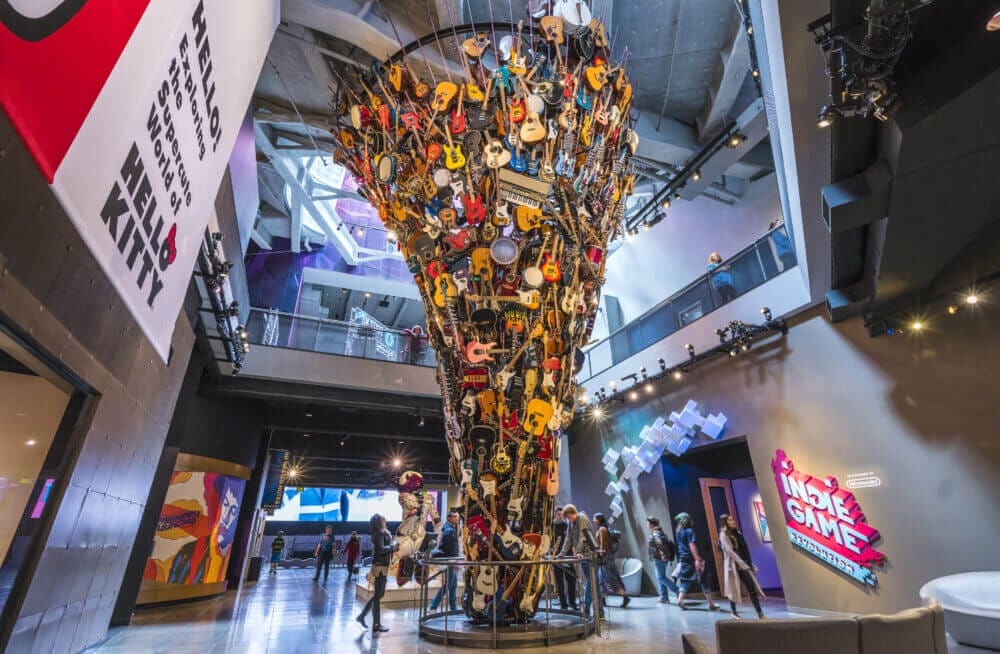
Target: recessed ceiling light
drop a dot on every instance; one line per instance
(30, 442)
(309, 415)
(971, 298)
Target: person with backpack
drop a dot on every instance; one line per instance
(607, 574)
(662, 551)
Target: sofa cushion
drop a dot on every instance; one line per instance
(910, 631)
(808, 636)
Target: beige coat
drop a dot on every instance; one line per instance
(731, 565)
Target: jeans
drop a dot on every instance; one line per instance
(584, 571)
(323, 561)
(663, 580)
(451, 580)
(375, 603)
(566, 586)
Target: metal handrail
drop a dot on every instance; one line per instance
(704, 278)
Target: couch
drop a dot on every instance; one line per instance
(631, 572)
(914, 631)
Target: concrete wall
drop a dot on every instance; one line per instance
(52, 289)
(919, 411)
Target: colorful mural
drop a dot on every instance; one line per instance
(195, 532)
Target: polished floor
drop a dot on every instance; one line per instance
(290, 614)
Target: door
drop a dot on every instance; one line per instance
(717, 495)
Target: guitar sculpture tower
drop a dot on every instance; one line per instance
(503, 187)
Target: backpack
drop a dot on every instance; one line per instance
(616, 537)
(669, 549)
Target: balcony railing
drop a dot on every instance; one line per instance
(280, 329)
(749, 268)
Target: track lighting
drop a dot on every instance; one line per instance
(952, 309)
(721, 333)
(663, 364)
(690, 350)
(828, 115)
(649, 388)
(666, 203)
(972, 298)
(633, 396)
(678, 374)
(696, 175)
(642, 371)
(612, 385)
(766, 312)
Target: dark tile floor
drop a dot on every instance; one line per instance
(289, 614)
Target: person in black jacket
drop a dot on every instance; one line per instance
(448, 548)
(565, 582)
(384, 547)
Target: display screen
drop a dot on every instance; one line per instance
(339, 504)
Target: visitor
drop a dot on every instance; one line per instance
(447, 548)
(581, 542)
(608, 575)
(737, 567)
(324, 553)
(277, 547)
(416, 342)
(565, 583)
(352, 550)
(722, 278)
(692, 566)
(662, 551)
(782, 244)
(384, 547)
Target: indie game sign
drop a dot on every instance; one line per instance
(826, 521)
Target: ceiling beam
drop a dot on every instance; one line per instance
(353, 433)
(732, 69)
(269, 111)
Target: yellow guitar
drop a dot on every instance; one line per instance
(444, 287)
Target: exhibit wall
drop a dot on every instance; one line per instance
(53, 290)
(914, 411)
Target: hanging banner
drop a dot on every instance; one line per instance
(826, 521)
(131, 109)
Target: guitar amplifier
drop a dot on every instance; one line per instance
(521, 189)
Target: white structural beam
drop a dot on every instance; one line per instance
(732, 69)
(752, 123)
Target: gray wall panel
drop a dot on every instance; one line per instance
(52, 289)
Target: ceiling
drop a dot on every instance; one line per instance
(907, 195)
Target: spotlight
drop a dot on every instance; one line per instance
(633, 395)
(827, 116)
(745, 347)
(390, 235)
(678, 374)
(642, 371)
(246, 347)
(628, 235)
(663, 364)
(696, 175)
(916, 325)
(690, 349)
(234, 309)
(736, 140)
(242, 332)
(612, 385)
(721, 333)
(677, 196)
(733, 352)
(766, 313)
(420, 423)
(972, 298)
(30, 442)
(293, 473)
(749, 30)
(597, 412)
(343, 442)
(952, 309)
(583, 399)
(756, 73)
(666, 203)
(361, 231)
(367, 295)
(396, 463)
(649, 388)
(645, 227)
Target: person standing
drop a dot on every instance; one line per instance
(565, 584)
(277, 547)
(581, 542)
(662, 551)
(352, 550)
(692, 566)
(610, 580)
(324, 553)
(782, 244)
(737, 567)
(722, 278)
(448, 548)
(384, 547)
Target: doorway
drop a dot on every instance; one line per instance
(716, 480)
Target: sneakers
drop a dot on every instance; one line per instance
(625, 600)
(735, 616)
(378, 629)
(361, 620)
(664, 600)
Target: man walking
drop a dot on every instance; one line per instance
(277, 547)
(662, 551)
(448, 548)
(324, 553)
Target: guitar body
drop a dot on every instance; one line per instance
(444, 93)
(550, 268)
(528, 218)
(537, 416)
(454, 158)
(533, 130)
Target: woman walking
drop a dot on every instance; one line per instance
(691, 564)
(737, 568)
(352, 550)
(607, 574)
(384, 547)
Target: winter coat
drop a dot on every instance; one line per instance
(731, 565)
